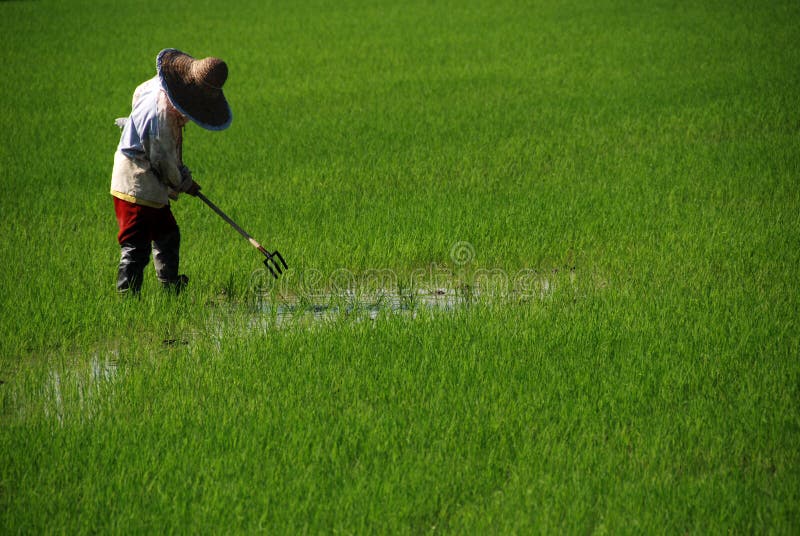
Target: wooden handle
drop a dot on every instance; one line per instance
(232, 223)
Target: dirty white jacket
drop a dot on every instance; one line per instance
(148, 169)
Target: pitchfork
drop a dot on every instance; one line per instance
(270, 261)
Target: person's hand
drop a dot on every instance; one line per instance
(193, 188)
(188, 185)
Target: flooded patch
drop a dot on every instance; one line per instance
(77, 391)
(320, 308)
(317, 308)
(311, 296)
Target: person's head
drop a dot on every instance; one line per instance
(194, 88)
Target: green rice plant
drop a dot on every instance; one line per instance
(603, 195)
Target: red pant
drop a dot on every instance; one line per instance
(141, 224)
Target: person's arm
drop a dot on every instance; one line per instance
(165, 160)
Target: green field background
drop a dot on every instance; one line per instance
(641, 158)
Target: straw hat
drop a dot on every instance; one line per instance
(195, 87)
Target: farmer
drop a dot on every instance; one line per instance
(148, 167)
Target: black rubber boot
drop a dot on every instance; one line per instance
(133, 259)
(166, 258)
(177, 285)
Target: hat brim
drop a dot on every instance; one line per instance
(204, 105)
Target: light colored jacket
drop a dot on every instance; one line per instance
(148, 169)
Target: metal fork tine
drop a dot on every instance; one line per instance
(272, 265)
(278, 254)
(269, 267)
